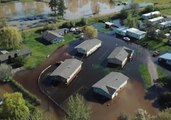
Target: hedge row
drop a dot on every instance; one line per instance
(32, 99)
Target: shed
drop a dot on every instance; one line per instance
(110, 84)
(67, 70)
(109, 24)
(88, 46)
(52, 36)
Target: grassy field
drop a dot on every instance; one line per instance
(40, 50)
(160, 72)
(155, 1)
(145, 75)
(156, 45)
(166, 11)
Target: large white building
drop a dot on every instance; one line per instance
(66, 71)
(165, 24)
(110, 84)
(150, 15)
(89, 46)
(135, 33)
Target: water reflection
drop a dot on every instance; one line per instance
(75, 8)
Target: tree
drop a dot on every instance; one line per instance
(77, 109)
(135, 8)
(10, 37)
(36, 114)
(53, 4)
(148, 9)
(123, 117)
(131, 21)
(164, 115)
(3, 22)
(123, 14)
(142, 115)
(165, 100)
(90, 31)
(61, 8)
(14, 107)
(5, 72)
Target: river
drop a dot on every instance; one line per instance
(75, 8)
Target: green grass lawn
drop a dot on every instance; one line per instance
(166, 11)
(39, 50)
(156, 45)
(154, 1)
(160, 72)
(145, 75)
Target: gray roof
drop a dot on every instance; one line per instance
(111, 82)
(67, 68)
(21, 52)
(51, 35)
(136, 31)
(119, 53)
(88, 44)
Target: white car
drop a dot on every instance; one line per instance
(126, 38)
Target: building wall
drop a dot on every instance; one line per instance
(73, 75)
(101, 92)
(135, 35)
(93, 49)
(117, 62)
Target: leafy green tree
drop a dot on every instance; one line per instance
(14, 107)
(3, 22)
(5, 72)
(10, 37)
(164, 115)
(61, 8)
(123, 14)
(123, 117)
(77, 109)
(53, 4)
(36, 114)
(148, 9)
(90, 31)
(165, 100)
(131, 21)
(142, 115)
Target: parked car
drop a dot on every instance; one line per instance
(156, 53)
(126, 38)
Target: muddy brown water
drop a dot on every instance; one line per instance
(94, 68)
(75, 8)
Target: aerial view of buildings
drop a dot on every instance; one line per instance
(85, 60)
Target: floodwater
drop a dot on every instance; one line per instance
(93, 69)
(75, 8)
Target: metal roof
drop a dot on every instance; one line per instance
(88, 44)
(67, 68)
(119, 53)
(151, 13)
(156, 19)
(51, 35)
(166, 56)
(111, 82)
(166, 22)
(136, 31)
